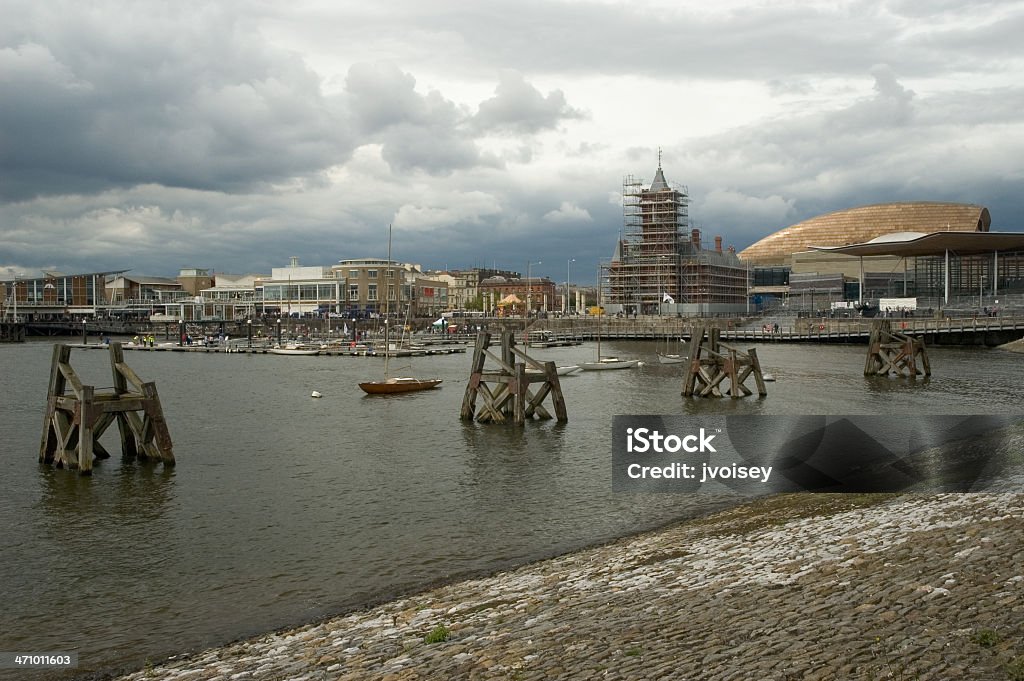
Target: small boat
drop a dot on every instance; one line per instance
(606, 363)
(768, 377)
(390, 385)
(293, 349)
(564, 370)
(670, 359)
(399, 384)
(316, 393)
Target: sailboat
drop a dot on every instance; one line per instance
(390, 385)
(670, 357)
(603, 363)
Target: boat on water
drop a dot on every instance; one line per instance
(293, 349)
(669, 357)
(664, 358)
(399, 384)
(606, 363)
(391, 385)
(564, 370)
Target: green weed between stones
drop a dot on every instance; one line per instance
(986, 638)
(438, 634)
(1015, 668)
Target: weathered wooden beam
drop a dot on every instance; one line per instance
(511, 399)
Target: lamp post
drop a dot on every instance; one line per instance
(567, 263)
(278, 330)
(529, 286)
(14, 288)
(248, 326)
(85, 340)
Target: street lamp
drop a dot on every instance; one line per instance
(529, 286)
(278, 330)
(567, 306)
(181, 332)
(248, 324)
(85, 340)
(14, 289)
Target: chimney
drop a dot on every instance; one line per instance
(718, 244)
(293, 261)
(732, 249)
(695, 239)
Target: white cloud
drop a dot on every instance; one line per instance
(568, 212)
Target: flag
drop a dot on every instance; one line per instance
(666, 298)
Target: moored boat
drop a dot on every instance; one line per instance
(293, 349)
(609, 363)
(399, 384)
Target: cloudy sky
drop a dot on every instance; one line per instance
(153, 136)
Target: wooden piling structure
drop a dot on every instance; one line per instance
(894, 353)
(511, 397)
(75, 422)
(710, 362)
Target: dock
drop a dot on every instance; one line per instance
(971, 331)
(241, 349)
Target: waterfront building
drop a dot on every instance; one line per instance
(194, 279)
(409, 291)
(52, 295)
(532, 295)
(660, 266)
(300, 291)
(128, 289)
(804, 267)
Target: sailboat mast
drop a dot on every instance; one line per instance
(600, 313)
(387, 308)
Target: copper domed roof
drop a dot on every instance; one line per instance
(857, 225)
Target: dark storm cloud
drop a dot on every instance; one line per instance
(417, 132)
(187, 97)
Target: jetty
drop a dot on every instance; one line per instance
(76, 419)
(978, 331)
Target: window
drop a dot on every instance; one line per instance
(371, 274)
(353, 292)
(353, 274)
(371, 292)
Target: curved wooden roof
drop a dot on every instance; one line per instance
(858, 225)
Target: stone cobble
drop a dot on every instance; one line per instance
(796, 587)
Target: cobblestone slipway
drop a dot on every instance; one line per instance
(789, 587)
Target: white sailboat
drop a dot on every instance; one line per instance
(390, 385)
(605, 363)
(670, 357)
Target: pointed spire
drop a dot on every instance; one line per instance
(659, 177)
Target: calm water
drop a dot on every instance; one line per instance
(283, 508)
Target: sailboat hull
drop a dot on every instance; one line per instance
(670, 359)
(392, 386)
(606, 364)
